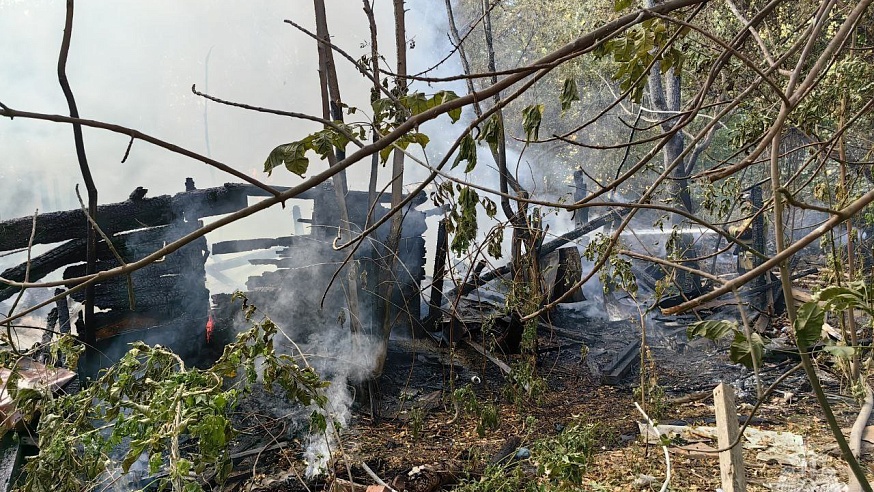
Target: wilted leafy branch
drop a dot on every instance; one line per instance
(148, 404)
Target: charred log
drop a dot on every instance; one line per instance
(44, 264)
(242, 245)
(124, 216)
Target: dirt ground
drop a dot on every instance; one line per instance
(418, 423)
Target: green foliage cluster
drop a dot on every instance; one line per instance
(464, 202)
(293, 155)
(387, 114)
(557, 463)
(149, 404)
(808, 324)
(637, 49)
(832, 299)
(616, 271)
(486, 413)
(742, 350)
(525, 383)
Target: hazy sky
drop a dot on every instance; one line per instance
(132, 62)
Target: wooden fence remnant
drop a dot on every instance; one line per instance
(731, 462)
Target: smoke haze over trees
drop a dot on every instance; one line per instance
(676, 116)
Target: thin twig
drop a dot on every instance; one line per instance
(664, 447)
(127, 150)
(132, 301)
(26, 279)
(91, 236)
(374, 476)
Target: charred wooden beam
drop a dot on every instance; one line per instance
(139, 212)
(170, 265)
(626, 360)
(238, 246)
(128, 215)
(44, 264)
(171, 293)
(290, 262)
(63, 313)
(312, 194)
(61, 226)
(434, 312)
(562, 269)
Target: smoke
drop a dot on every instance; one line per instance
(343, 359)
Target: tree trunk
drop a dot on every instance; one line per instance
(387, 280)
(332, 110)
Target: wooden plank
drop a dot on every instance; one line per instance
(44, 264)
(240, 245)
(436, 299)
(128, 215)
(731, 462)
(10, 461)
(629, 356)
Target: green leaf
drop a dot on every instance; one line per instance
(416, 102)
(712, 329)
(384, 153)
(808, 324)
(619, 5)
(292, 155)
(531, 118)
(322, 143)
(490, 207)
(382, 108)
(183, 466)
(404, 142)
(466, 152)
(136, 449)
(743, 351)
(318, 422)
(569, 94)
(842, 298)
(418, 138)
(465, 220)
(443, 97)
(841, 351)
(492, 132)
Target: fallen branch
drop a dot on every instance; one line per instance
(375, 477)
(857, 432)
(664, 447)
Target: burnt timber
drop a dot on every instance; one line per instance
(167, 302)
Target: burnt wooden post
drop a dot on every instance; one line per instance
(436, 299)
(561, 270)
(731, 462)
(295, 218)
(63, 312)
(581, 215)
(763, 298)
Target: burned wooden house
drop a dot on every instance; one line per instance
(168, 303)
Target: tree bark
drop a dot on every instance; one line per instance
(374, 95)
(332, 109)
(397, 190)
(91, 234)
